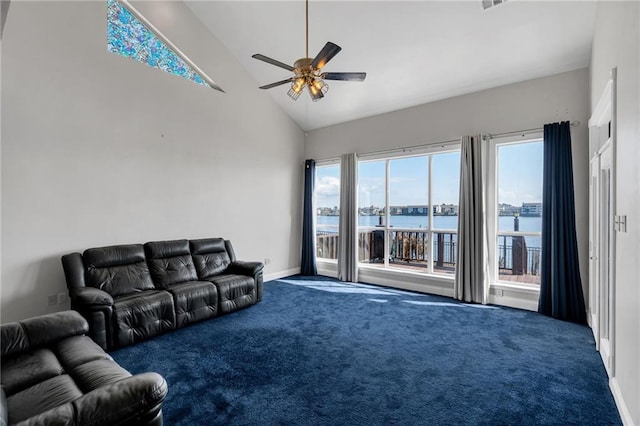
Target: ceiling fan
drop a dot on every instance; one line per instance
(308, 71)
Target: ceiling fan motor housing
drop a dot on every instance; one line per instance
(303, 64)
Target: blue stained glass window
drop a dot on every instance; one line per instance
(127, 36)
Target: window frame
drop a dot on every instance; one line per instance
(492, 216)
(320, 164)
(387, 157)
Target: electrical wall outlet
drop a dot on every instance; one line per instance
(57, 299)
(499, 292)
(267, 260)
(62, 298)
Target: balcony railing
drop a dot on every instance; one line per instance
(516, 261)
(409, 248)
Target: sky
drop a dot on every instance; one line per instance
(519, 179)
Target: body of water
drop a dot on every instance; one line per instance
(445, 223)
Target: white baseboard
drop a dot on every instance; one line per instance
(513, 302)
(281, 274)
(622, 406)
(328, 269)
(395, 280)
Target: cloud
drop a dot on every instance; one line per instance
(516, 198)
(328, 191)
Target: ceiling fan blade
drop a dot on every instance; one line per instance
(326, 54)
(344, 76)
(273, 62)
(277, 83)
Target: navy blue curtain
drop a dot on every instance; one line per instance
(308, 266)
(560, 285)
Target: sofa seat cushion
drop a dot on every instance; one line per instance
(235, 292)
(194, 301)
(28, 368)
(41, 397)
(142, 315)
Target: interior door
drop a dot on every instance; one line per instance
(594, 247)
(602, 201)
(605, 219)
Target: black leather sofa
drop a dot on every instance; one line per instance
(129, 293)
(53, 374)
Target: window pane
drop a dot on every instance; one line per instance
(520, 210)
(409, 192)
(409, 210)
(445, 187)
(129, 37)
(371, 203)
(327, 191)
(371, 192)
(520, 186)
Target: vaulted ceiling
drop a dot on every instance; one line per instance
(413, 52)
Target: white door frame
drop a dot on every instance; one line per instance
(602, 133)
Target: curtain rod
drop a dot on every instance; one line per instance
(444, 143)
(523, 132)
(410, 148)
(395, 150)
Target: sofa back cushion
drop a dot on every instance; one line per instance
(210, 256)
(170, 262)
(118, 270)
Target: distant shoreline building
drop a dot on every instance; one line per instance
(531, 209)
(526, 210)
(328, 211)
(409, 210)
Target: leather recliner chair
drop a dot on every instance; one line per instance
(52, 373)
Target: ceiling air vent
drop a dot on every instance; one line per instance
(486, 4)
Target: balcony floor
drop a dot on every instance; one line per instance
(504, 275)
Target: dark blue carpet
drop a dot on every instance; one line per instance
(321, 352)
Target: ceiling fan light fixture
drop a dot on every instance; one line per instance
(294, 94)
(317, 89)
(298, 84)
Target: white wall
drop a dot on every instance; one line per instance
(520, 106)
(100, 150)
(617, 44)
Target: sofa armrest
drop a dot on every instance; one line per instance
(136, 400)
(245, 268)
(90, 296)
(96, 306)
(129, 400)
(252, 269)
(73, 267)
(38, 331)
(4, 415)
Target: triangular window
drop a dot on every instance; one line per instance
(128, 36)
